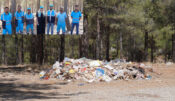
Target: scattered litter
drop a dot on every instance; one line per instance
(42, 73)
(95, 71)
(142, 65)
(81, 84)
(169, 63)
(95, 63)
(149, 77)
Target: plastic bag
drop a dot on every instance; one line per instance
(56, 65)
(95, 63)
(42, 73)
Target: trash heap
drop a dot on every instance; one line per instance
(95, 71)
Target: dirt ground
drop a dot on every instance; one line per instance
(17, 85)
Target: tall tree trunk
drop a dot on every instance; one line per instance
(121, 45)
(107, 46)
(38, 4)
(6, 2)
(72, 41)
(152, 48)
(4, 50)
(130, 48)
(67, 19)
(165, 51)
(61, 2)
(48, 4)
(54, 4)
(146, 45)
(13, 10)
(40, 50)
(40, 45)
(173, 47)
(32, 49)
(98, 42)
(101, 47)
(26, 5)
(16, 46)
(95, 50)
(80, 46)
(117, 47)
(62, 53)
(86, 39)
(45, 49)
(0, 6)
(21, 57)
(84, 44)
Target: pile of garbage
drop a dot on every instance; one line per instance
(95, 71)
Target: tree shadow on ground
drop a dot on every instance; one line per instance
(63, 83)
(12, 70)
(11, 91)
(76, 94)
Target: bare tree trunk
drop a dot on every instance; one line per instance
(62, 53)
(40, 49)
(21, 57)
(61, 2)
(26, 6)
(101, 47)
(32, 49)
(6, 2)
(32, 7)
(38, 4)
(4, 50)
(98, 38)
(173, 47)
(45, 49)
(107, 46)
(146, 45)
(83, 46)
(72, 38)
(80, 46)
(54, 4)
(0, 6)
(13, 10)
(48, 4)
(121, 45)
(40, 45)
(67, 19)
(86, 43)
(117, 46)
(152, 48)
(16, 46)
(72, 41)
(85, 38)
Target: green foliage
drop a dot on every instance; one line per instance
(132, 18)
